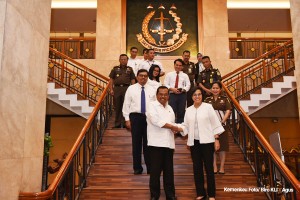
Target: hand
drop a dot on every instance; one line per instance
(176, 90)
(128, 125)
(217, 145)
(111, 92)
(174, 129)
(208, 92)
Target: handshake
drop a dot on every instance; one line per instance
(175, 128)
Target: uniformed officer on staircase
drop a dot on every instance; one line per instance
(190, 69)
(120, 78)
(207, 77)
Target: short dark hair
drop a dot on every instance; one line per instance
(186, 51)
(133, 48)
(161, 87)
(145, 50)
(218, 83)
(204, 57)
(179, 60)
(123, 55)
(142, 70)
(199, 54)
(195, 89)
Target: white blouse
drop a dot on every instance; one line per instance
(157, 117)
(207, 121)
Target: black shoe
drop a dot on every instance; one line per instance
(136, 172)
(154, 198)
(118, 126)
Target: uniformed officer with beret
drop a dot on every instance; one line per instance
(207, 77)
(189, 68)
(120, 78)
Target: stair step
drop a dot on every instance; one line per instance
(91, 193)
(111, 175)
(179, 169)
(181, 182)
(268, 94)
(68, 100)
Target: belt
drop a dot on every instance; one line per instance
(122, 85)
(136, 113)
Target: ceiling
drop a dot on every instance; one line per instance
(268, 4)
(239, 20)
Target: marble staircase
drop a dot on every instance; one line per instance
(69, 101)
(268, 95)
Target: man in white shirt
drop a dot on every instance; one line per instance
(178, 84)
(161, 144)
(133, 61)
(147, 64)
(199, 66)
(136, 100)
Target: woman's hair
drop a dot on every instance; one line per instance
(153, 66)
(195, 89)
(218, 83)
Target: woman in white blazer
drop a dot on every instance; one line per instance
(203, 127)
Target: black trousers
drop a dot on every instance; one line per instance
(139, 140)
(161, 160)
(119, 94)
(203, 154)
(178, 103)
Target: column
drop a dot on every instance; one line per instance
(110, 35)
(215, 33)
(24, 41)
(295, 14)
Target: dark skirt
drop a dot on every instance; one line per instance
(224, 143)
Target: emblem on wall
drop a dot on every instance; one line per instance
(161, 30)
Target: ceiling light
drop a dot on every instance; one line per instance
(74, 4)
(258, 4)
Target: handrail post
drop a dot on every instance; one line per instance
(62, 70)
(84, 160)
(242, 82)
(264, 71)
(285, 59)
(85, 84)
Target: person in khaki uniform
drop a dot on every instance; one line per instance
(189, 68)
(207, 77)
(120, 78)
(222, 107)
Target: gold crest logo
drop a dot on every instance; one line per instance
(161, 35)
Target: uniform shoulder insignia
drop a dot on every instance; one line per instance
(207, 98)
(116, 67)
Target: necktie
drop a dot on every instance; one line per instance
(176, 81)
(143, 101)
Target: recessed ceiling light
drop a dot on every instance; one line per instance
(74, 4)
(258, 4)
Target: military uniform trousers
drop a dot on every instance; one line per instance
(119, 94)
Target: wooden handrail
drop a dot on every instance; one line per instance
(79, 64)
(73, 38)
(289, 175)
(255, 60)
(49, 192)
